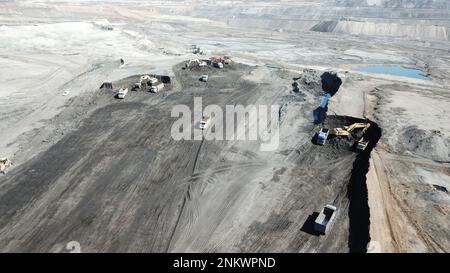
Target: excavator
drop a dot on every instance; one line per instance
(347, 130)
(195, 62)
(360, 144)
(144, 81)
(147, 78)
(4, 164)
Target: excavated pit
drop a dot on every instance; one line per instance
(359, 213)
(357, 194)
(122, 149)
(330, 84)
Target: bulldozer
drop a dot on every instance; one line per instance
(347, 130)
(196, 50)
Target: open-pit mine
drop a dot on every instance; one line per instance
(323, 126)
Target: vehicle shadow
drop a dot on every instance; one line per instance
(314, 139)
(308, 226)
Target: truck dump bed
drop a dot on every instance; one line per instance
(324, 218)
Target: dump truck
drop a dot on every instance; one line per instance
(324, 101)
(4, 164)
(204, 122)
(322, 136)
(325, 218)
(157, 87)
(223, 60)
(361, 145)
(196, 50)
(106, 85)
(137, 85)
(218, 65)
(226, 60)
(220, 61)
(122, 93)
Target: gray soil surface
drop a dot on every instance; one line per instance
(105, 172)
(119, 182)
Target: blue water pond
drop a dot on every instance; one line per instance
(394, 70)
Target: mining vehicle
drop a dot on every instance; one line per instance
(325, 218)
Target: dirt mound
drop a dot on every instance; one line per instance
(325, 26)
(330, 82)
(309, 80)
(316, 81)
(431, 144)
(422, 31)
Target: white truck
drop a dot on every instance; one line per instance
(204, 122)
(122, 93)
(204, 78)
(325, 218)
(137, 85)
(322, 136)
(156, 88)
(361, 144)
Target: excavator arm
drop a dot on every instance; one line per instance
(347, 130)
(354, 126)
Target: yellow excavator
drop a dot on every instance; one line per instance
(347, 130)
(194, 63)
(145, 80)
(360, 144)
(4, 164)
